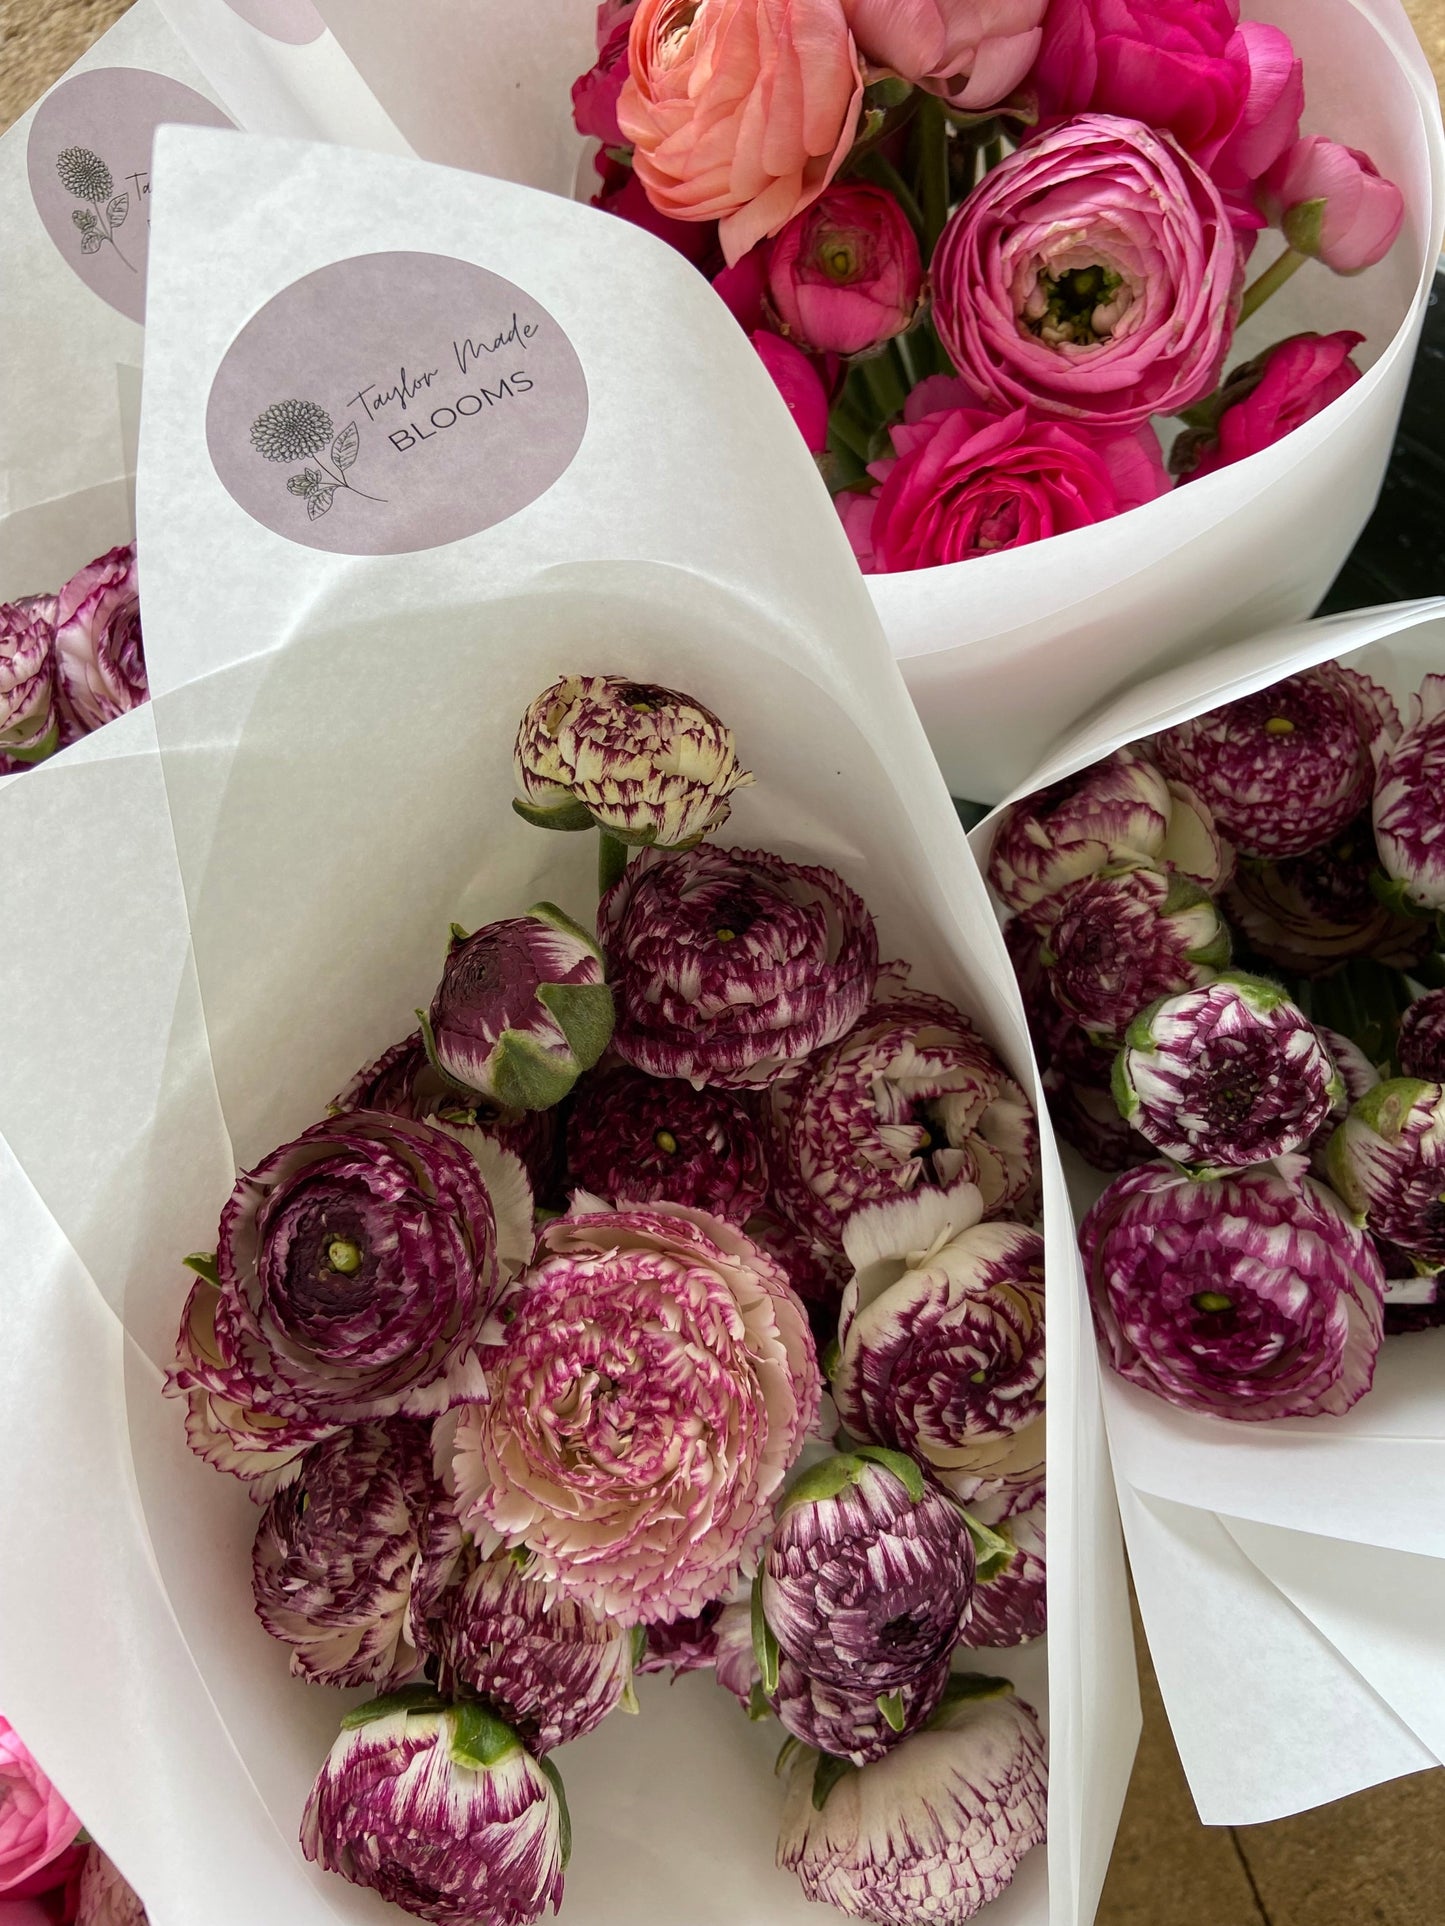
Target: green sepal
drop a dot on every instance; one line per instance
(410, 1698)
(525, 1074)
(560, 921)
(1385, 1108)
(890, 1704)
(458, 937)
(571, 815)
(585, 1015)
(564, 1817)
(900, 1464)
(1396, 896)
(826, 1775)
(889, 92)
(766, 1650)
(1303, 226)
(830, 1360)
(830, 1477)
(479, 1738)
(1126, 1097)
(429, 1044)
(47, 746)
(786, 1752)
(639, 1645)
(204, 1264)
(758, 1707)
(992, 1551)
(965, 1686)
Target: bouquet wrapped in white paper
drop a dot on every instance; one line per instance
(493, 408)
(1300, 1558)
(1004, 651)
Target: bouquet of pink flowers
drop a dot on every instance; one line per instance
(51, 1873)
(988, 251)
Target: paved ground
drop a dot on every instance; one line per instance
(1376, 1860)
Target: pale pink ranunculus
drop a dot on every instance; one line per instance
(98, 652)
(846, 274)
(106, 1899)
(964, 481)
(36, 1825)
(739, 111)
(1333, 203)
(1093, 273)
(974, 52)
(799, 383)
(1268, 398)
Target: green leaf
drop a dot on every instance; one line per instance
(564, 1817)
(203, 1263)
(585, 1015)
(826, 1775)
(890, 1704)
(479, 1738)
(411, 1698)
(765, 1645)
(570, 815)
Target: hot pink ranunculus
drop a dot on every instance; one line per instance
(846, 273)
(98, 651)
(1093, 273)
(740, 111)
(799, 383)
(1333, 203)
(595, 93)
(1268, 398)
(974, 52)
(36, 1825)
(743, 287)
(964, 482)
(1269, 118)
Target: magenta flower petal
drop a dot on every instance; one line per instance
(1252, 1296)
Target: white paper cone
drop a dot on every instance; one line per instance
(334, 737)
(1308, 1555)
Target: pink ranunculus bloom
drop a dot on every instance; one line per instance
(743, 288)
(1094, 273)
(1268, 398)
(622, 194)
(30, 725)
(1333, 203)
(1170, 63)
(98, 650)
(846, 273)
(798, 381)
(1269, 119)
(974, 52)
(740, 111)
(36, 1825)
(595, 94)
(965, 481)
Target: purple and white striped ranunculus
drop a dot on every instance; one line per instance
(337, 1550)
(1225, 1076)
(868, 1578)
(29, 717)
(1284, 770)
(1420, 1047)
(911, 1098)
(1010, 1600)
(941, 1340)
(1387, 1160)
(857, 1726)
(929, 1834)
(441, 1810)
(521, 1010)
(356, 1274)
(106, 1897)
(1409, 809)
(1248, 1296)
(550, 1666)
(99, 654)
(1078, 1086)
(635, 1139)
(1122, 811)
(656, 1383)
(646, 764)
(731, 965)
(1118, 941)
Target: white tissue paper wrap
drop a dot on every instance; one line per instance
(1004, 653)
(1291, 1575)
(246, 896)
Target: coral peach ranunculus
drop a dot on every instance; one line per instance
(1094, 273)
(739, 111)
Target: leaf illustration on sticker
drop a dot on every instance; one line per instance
(346, 446)
(118, 209)
(292, 429)
(84, 219)
(91, 243)
(318, 503)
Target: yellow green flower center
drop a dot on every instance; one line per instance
(344, 1256)
(1279, 726)
(725, 935)
(1213, 1301)
(666, 1142)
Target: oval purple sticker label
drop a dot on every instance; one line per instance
(395, 402)
(295, 21)
(89, 162)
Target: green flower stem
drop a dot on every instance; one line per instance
(1270, 282)
(992, 153)
(612, 854)
(931, 148)
(882, 376)
(878, 169)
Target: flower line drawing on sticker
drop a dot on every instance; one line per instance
(297, 431)
(85, 176)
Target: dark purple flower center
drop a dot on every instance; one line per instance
(1228, 1087)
